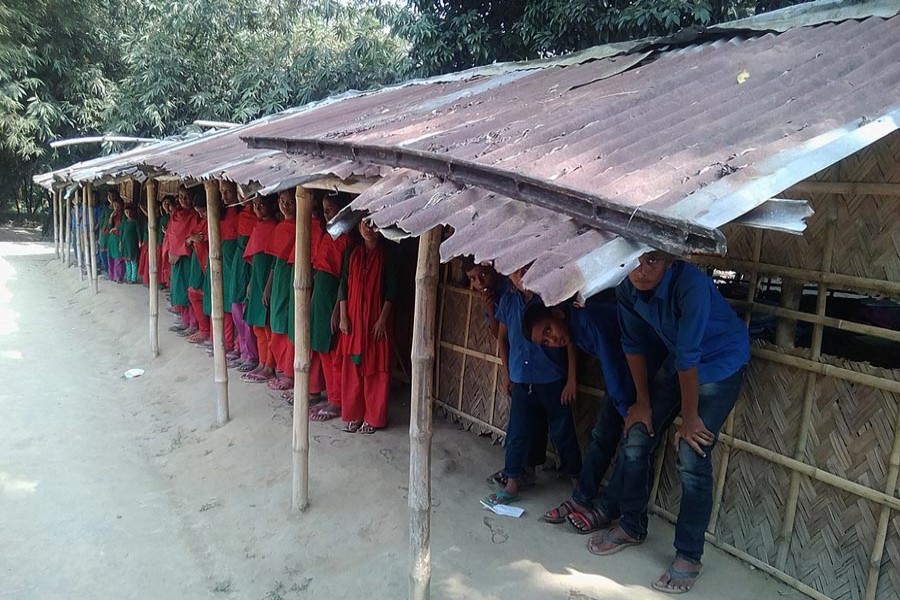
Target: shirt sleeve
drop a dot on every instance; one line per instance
(692, 296)
(637, 335)
(616, 375)
(500, 313)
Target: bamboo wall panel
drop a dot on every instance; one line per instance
(454, 315)
(449, 381)
(753, 505)
(501, 405)
(889, 576)
(480, 337)
(852, 430)
(832, 540)
(477, 391)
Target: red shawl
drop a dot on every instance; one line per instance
(329, 254)
(364, 302)
(245, 221)
(228, 224)
(182, 224)
(316, 233)
(259, 239)
(281, 244)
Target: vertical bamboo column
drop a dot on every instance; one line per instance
(302, 290)
(152, 254)
(54, 205)
(420, 418)
(790, 513)
(79, 234)
(92, 239)
(68, 230)
(213, 216)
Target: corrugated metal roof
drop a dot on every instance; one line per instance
(705, 133)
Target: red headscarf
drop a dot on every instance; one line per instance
(259, 239)
(229, 223)
(245, 221)
(281, 244)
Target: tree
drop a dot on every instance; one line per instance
(451, 35)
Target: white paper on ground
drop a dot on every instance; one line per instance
(504, 509)
(132, 373)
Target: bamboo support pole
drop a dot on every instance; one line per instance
(835, 280)
(420, 420)
(790, 513)
(92, 239)
(879, 383)
(68, 231)
(152, 254)
(884, 517)
(213, 218)
(848, 188)
(302, 359)
(57, 222)
(816, 319)
(54, 205)
(79, 234)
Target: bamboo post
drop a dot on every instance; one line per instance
(302, 290)
(54, 205)
(92, 239)
(154, 267)
(79, 234)
(68, 230)
(216, 287)
(790, 513)
(420, 419)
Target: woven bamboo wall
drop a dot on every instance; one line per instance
(832, 532)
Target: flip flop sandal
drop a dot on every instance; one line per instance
(500, 480)
(289, 394)
(280, 384)
(232, 355)
(674, 573)
(327, 413)
(186, 333)
(177, 328)
(558, 515)
(366, 429)
(254, 378)
(607, 535)
(589, 521)
(247, 367)
(352, 426)
(500, 497)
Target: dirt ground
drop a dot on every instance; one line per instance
(115, 488)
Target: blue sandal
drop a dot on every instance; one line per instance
(674, 573)
(501, 497)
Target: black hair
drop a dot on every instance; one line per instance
(171, 198)
(198, 198)
(533, 315)
(468, 263)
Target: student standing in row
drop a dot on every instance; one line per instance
(281, 289)
(367, 296)
(130, 236)
(239, 282)
(708, 350)
(257, 311)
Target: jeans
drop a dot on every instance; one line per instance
(632, 480)
(605, 439)
(530, 404)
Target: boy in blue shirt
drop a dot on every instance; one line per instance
(541, 381)
(708, 350)
(595, 330)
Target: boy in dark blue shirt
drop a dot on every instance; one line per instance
(540, 381)
(595, 330)
(708, 350)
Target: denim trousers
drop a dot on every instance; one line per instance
(605, 438)
(531, 406)
(629, 490)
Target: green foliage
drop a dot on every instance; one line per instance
(450, 35)
(242, 59)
